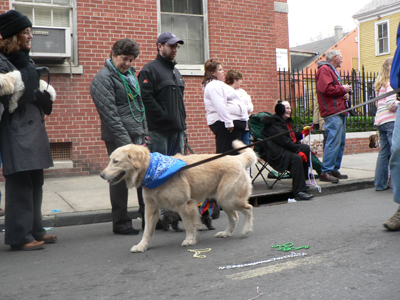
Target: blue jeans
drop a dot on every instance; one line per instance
(245, 137)
(335, 139)
(382, 163)
(395, 159)
(166, 142)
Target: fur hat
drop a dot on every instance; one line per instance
(13, 22)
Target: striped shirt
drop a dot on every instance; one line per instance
(386, 107)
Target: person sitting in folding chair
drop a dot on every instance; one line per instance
(286, 152)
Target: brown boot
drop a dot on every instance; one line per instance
(394, 222)
(48, 239)
(328, 178)
(339, 176)
(34, 245)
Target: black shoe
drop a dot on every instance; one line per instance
(303, 196)
(127, 231)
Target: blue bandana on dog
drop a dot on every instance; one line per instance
(161, 168)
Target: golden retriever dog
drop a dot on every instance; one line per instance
(224, 179)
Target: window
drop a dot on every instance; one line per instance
(187, 19)
(382, 38)
(53, 28)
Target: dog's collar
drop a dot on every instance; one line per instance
(161, 168)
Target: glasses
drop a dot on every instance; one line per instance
(176, 46)
(27, 32)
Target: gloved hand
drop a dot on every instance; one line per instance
(306, 130)
(303, 156)
(44, 102)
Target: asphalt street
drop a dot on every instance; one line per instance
(350, 256)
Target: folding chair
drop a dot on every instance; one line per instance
(255, 128)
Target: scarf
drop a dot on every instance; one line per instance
(291, 133)
(161, 168)
(29, 76)
(20, 59)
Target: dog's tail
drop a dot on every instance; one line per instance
(248, 153)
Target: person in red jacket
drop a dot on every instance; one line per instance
(332, 96)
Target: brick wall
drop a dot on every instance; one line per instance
(356, 142)
(243, 34)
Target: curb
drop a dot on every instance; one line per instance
(79, 218)
(101, 216)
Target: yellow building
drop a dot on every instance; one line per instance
(377, 29)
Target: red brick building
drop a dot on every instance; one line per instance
(241, 34)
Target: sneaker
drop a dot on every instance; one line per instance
(303, 196)
(328, 178)
(339, 176)
(394, 222)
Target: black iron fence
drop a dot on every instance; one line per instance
(299, 89)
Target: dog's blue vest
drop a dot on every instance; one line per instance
(161, 168)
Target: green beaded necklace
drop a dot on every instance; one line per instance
(130, 95)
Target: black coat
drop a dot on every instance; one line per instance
(279, 149)
(162, 88)
(24, 144)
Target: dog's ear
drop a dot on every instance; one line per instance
(134, 157)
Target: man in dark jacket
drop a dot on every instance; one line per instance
(332, 96)
(286, 152)
(162, 88)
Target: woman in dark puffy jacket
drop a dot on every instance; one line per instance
(116, 94)
(24, 144)
(286, 152)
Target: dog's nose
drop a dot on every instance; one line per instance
(102, 175)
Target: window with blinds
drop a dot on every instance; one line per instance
(51, 27)
(46, 13)
(185, 18)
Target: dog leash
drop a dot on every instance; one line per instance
(286, 132)
(310, 166)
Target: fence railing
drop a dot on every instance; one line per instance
(299, 89)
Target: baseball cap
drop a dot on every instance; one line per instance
(168, 37)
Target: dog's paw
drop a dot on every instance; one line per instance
(12, 105)
(138, 248)
(246, 230)
(189, 242)
(222, 234)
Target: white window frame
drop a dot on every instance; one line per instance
(377, 24)
(70, 65)
(190, 69)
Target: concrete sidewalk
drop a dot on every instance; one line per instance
(84, 200)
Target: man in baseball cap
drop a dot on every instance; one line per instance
(162, 90)
(168, 37)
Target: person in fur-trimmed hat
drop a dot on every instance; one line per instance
(24, 144)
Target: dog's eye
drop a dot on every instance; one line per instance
(115, 161)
